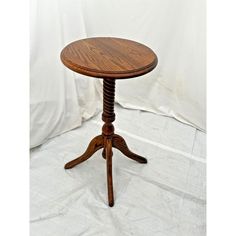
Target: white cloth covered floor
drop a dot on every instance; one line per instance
(166, 197)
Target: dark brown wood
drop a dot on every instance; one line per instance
(108, 116)
(108, 148)
(95, 144)
(108, 139)
(119, 143)
(109, 57)
(104, 153)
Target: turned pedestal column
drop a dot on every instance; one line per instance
(110, 59)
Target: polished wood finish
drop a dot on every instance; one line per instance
(110, 58)
(108, 150)
(107, 139)
(119, 143)
(96, 144)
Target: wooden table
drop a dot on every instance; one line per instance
(111, 59)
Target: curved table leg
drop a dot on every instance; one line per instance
(119, 143)
(94, 145)
(108, 148)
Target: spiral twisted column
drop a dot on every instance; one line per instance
(108, 115)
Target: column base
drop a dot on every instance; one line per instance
(102, 141)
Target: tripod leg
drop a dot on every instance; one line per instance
(119, 143)
(94, 145)
(108, 148)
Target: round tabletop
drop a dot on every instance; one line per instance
(108, 57)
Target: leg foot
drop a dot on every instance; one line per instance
(108, 148)
(104, 153)
(94, 145)
(119, 143)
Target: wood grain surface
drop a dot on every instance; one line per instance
(108, 57)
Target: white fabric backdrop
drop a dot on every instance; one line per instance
(59, 101)
(175, 30)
